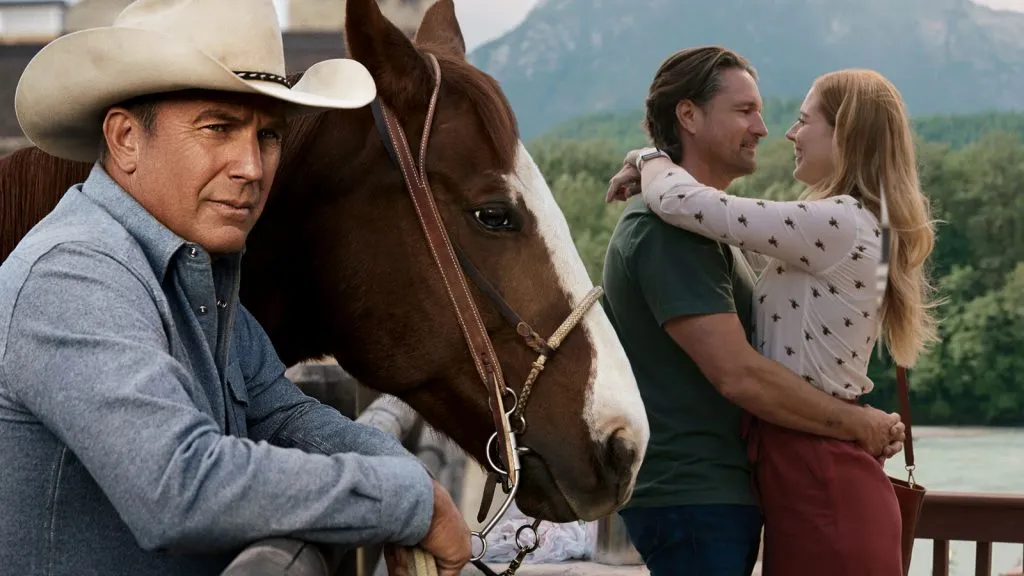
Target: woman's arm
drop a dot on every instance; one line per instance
(812, 235)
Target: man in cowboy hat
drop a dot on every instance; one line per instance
(146, 426)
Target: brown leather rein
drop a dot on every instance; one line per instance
(454, 265)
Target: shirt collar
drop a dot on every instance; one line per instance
(158, 242)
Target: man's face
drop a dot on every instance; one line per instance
(206, 168)
(730, 126)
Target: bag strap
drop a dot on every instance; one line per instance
(904, 392)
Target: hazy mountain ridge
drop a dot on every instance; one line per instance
(574, 57)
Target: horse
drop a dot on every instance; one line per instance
(338, 266)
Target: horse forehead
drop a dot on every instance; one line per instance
(526, 184)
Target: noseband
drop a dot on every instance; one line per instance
(454, 265)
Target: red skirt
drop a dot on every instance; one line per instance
(828, 505)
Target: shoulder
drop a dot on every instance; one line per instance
(639, 229)
(865, 229)
(81, 226)
(76, 246)
(72, 287)
(76, 267)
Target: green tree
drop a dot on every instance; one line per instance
(578, 173)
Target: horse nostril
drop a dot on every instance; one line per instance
(620, 455)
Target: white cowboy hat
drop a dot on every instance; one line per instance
(159, 46)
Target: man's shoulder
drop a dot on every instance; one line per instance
(638, 224)
(77, 233)
(76, 220)
(640, 231)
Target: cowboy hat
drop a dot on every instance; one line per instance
(159, 46)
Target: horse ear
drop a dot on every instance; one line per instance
(396, 65)
(440, 27)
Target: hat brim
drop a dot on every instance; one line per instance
(66, 88)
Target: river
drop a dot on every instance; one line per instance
(969, 460)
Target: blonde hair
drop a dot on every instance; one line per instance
(873, 147)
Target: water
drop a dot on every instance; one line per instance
(967, 460)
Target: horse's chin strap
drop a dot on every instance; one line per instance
(454, 266)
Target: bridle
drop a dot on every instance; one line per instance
(453, 265)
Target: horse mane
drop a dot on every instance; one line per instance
(31, 184)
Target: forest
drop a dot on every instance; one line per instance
(972, 171)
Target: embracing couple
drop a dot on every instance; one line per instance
(750, 323)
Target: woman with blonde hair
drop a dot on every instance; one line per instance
(829, 507)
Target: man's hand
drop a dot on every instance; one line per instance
(881, 433)
(447, 540)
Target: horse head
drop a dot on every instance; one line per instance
(362, 285)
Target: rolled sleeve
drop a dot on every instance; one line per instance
(87, 354)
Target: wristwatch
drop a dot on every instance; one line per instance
(646, 154)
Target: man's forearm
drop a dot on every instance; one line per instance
(306, 424)
(769, 391)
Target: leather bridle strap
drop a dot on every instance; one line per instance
(443, 254)
(535, 341)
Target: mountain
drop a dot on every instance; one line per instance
(574, 57)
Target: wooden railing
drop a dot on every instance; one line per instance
(973, 517)
(946, 516)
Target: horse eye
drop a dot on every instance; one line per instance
(494, 218)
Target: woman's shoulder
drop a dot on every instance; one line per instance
(859, 212)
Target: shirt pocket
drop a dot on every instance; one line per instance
(238, 403)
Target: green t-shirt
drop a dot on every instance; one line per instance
(654, 272)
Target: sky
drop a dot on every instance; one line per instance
(484, 20)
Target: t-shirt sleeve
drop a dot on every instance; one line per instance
(680, 273)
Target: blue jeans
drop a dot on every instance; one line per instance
(698, 540)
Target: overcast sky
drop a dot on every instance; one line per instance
(484, 20)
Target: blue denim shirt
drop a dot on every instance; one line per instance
(146, 426)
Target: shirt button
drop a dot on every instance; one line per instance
(193, 252)
(203, 309)
(222, 304)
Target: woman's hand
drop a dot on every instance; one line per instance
(897, 435)
(625, 183)
(880, 433)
